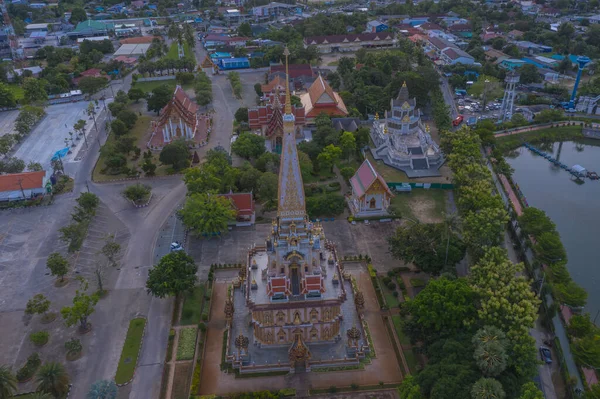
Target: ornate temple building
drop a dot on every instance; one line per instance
(180, 119)
(402, 141)
(267, 120)
(292, 294)
(371, 195)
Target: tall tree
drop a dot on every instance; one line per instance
(207, 213)
(83, 307)
(490, 350)
(267, 187)
(443, 307)
(8, 383)
(328, 157)
(53, 379)
(348, 144)
(39, 304)
(249, 145)
(176, 154)
(7, 98)
(531, 391)
(78, 15)
(58, 265)
(159, 98)
(111, 249)
(428, 246)
(174, 274)
(487, 388)
(35, 90)
(244, 30)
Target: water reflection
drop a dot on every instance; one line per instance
(572, 204)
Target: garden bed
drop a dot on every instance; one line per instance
(131, 351)
(182, 380)
(192, 306)
(186, 345)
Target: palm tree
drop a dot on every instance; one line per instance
(53, 378)
(487, 388)
(8, 383)
(103, 389)
(40, 395)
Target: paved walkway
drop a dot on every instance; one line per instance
(511, 195)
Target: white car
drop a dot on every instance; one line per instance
(175, 246)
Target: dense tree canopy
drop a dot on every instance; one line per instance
(207, 213)
(174, 274)
(428, 246)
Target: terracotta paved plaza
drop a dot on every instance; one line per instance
(384, 368)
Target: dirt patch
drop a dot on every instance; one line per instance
(425, 206)
(181, 380)
(423, 210)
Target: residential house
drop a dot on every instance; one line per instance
(322, 98)
(452, 56)
(449, 21)
(93, 73)
(512, 63)
(376, 26)
(549, 12)
(350, 42)
(22, 186)
(515, 34)
(35, 72)
(273, 8)
(417, 20)
(461, 30)
(493, 54)
(532, 48)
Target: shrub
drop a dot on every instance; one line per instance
(417, 282)
(386, 280)
(73, 346)
(390, 273)
(202, 327)
(391, 286)
(332, 389)
(204, 317)
(187, 344)
(29, 368)
(395, 293)
(39, 338)
(354, 386)
(401, 283)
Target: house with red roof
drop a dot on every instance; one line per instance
(21, 186)
(180, 119)
(243, 203)
(92, 73)
(319, 98)
(371, 195)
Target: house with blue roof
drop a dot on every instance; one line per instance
(234, 63)
(376, 27)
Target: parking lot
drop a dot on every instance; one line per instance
(49, 135)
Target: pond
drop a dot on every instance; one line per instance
(573, 206)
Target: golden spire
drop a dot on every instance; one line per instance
(291, 188)
(288, 97)
(404, 84)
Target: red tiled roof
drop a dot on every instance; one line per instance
(125, 59)
(95, 72)
(322, 98)
(25, 181)
(242, 202)
(430, 26)
(364, 177)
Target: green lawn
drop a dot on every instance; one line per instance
(186, 346)
(392, 301)
(147, 87)
(409, 354)
(173, 53)
(17, 91)
(424, 205)
(402, 337)
(388, 173)
(192, 307)
(131, 350)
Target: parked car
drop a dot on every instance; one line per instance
(175, 246)
(546, 354)
(458, 120)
